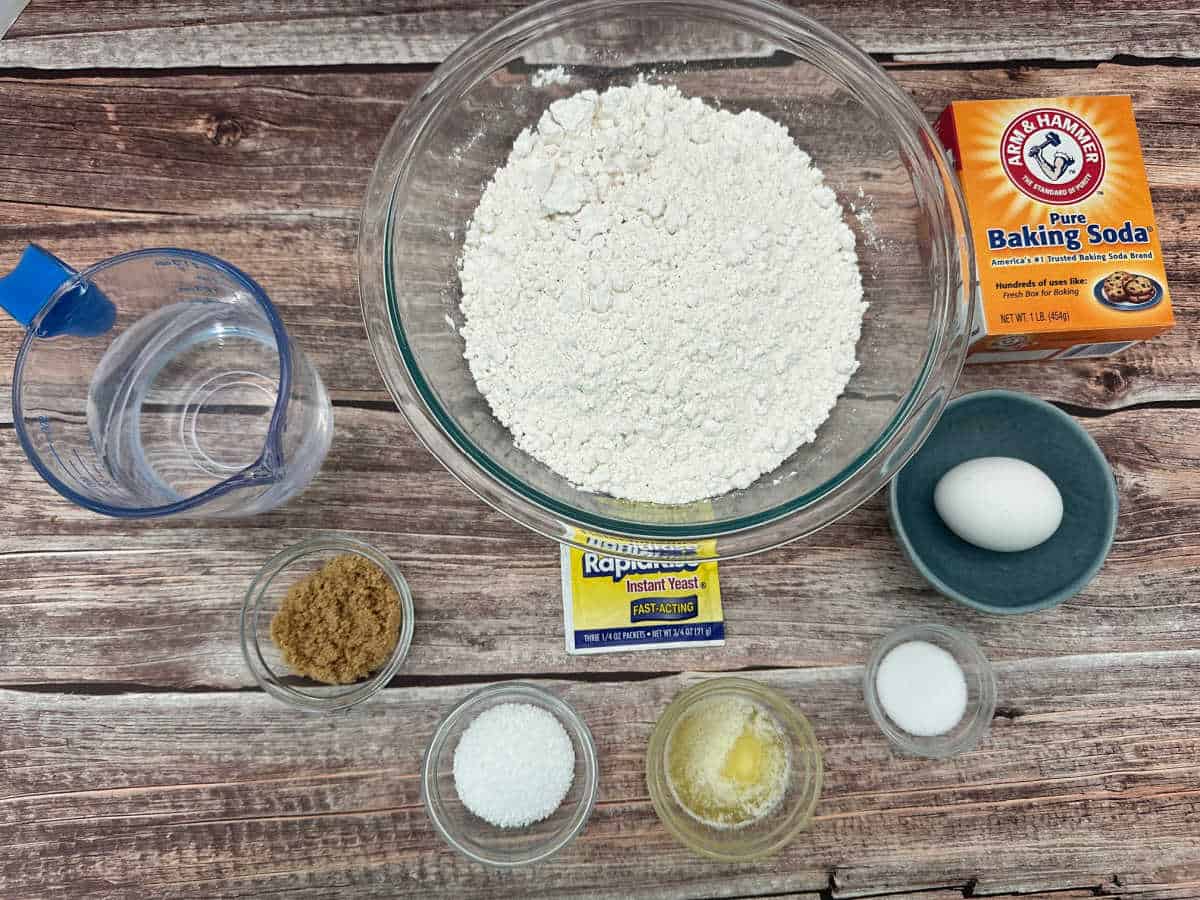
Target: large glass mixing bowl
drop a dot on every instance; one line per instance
(897, 191)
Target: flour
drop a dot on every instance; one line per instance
(662, 301)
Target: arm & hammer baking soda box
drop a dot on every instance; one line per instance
(1066, 247)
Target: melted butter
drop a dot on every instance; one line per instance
(728, 762)
(747, 760)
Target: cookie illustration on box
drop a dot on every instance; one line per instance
(1114, 286)
(1128, 291)
(1139, 288)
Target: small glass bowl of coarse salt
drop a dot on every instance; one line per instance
(930, 690)
(510, 776)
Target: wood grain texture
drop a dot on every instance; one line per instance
(86, 599)
(203, 794)
(1188, 891)
(59, 34)
(135, 761)
(189, 144)
(268, 170)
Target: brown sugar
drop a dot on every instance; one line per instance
(339, 624)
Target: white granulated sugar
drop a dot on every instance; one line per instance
(661, 298)
(514, 765)
(545, 77)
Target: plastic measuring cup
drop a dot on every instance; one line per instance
(161, 382)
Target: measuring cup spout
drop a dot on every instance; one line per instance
(39, 278)
(267, 471)
(161, 382)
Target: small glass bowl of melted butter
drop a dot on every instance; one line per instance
(733, 769)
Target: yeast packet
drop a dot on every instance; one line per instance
(613, 603)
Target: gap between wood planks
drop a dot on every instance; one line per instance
(1082, 412)
(1112, 886)
(111, 688)
(402, 682)
(886, 60)
(966, 889)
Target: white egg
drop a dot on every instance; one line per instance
(999, 503)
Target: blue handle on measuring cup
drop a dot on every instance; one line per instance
(39, 275)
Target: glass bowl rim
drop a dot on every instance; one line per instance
(515, 691)
(276, 566)
(667, 808)
(948, 638)
(531, 507)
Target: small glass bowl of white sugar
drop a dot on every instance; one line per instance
(930, 690)
(511, 775)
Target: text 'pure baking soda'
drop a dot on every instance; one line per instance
(1065, 241)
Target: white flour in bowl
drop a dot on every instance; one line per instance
(662, 301)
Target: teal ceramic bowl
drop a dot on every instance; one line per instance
(1003, 423)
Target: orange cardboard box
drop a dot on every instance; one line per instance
(1065, 240)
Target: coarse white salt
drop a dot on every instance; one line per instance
(921, 688)
(514, 765)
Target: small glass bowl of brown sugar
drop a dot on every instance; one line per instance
(326, 623)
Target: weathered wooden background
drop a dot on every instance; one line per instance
(136, 759)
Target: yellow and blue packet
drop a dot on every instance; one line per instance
(613, 602)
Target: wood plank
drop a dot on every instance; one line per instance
(1088, 893)
(1135, 891)
(249, 141)
(193, 144)
(961, 892)
(85, 599)
(59, 34)
(267, 170)
(203, 794)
